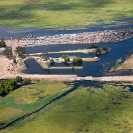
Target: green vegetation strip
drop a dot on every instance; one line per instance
(62, 14)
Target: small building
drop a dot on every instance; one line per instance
(2, 49)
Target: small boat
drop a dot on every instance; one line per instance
(84, 52)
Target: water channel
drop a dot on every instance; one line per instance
(99, 68)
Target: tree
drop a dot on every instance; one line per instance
(74, 60)
(14, 61)
(64, 56)
(44, 55)
(66, 59)
(20, 50)
(19, 79)
(98, 51)
(105, 49)
(2, 44)
(1, 89)
(79, 59)
(6, 86)
(52, 61)
(7, 52)
(92, 46)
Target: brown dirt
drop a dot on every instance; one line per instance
(31, 0)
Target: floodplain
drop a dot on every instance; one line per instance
(58, 14)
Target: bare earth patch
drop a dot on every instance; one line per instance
(6, 113)
(4, 64)
(31, 0)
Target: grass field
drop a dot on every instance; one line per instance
(128, 64)
(63, 13)
(108, 109)
(29, 98)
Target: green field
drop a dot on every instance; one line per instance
(29, 98)
(62, 13)
(107, 109)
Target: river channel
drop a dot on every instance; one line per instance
(98, 68)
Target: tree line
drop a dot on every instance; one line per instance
(7, 85)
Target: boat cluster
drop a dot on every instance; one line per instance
(79, 38)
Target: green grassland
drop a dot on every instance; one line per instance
(62, 13)
(108, 109)
(29, 98)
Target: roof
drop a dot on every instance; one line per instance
(2, 49)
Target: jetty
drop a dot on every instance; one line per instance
(85, 51)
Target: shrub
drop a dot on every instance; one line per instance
(19, 79)
(105, 48)
(64, 56)
(66, 59)
(92, 46)
(14, 61)
(98, 51)
(51, 61)
(2, 44)
(27, 81)
(79, 59)
(74, 60)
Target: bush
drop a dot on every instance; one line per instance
(64, 56)
(22, 56)
(98, 51)
(14, 61)
(19, 79)
(8, 52)
(74, 60)
(79, 59)
(52, 61)
(66, 59)
(27, 81)
(92, 46)
(2, 44)
(105, 49)
(6, 86)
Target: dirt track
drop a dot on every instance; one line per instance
(72, 78)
